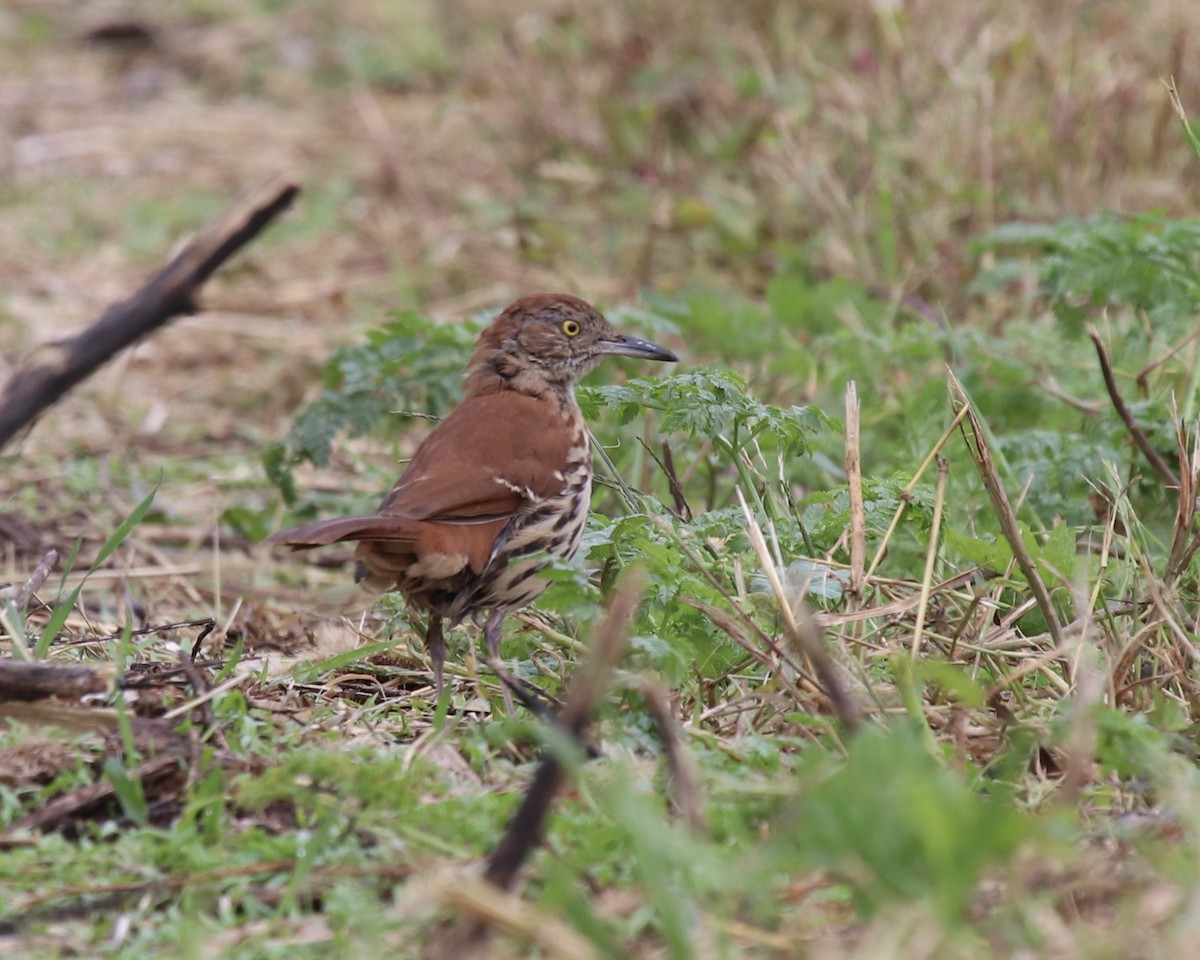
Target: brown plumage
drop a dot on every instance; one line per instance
(506, 475)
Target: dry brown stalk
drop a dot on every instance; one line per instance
(931, 554)
(683, 785)
(1185, 541)
(802, 629)
(929, 460)
(1143, 443)
(21, 597)
(982, 455)
(168, 294)
(858, 513)
(525, 830)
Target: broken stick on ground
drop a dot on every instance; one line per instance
(169, 294)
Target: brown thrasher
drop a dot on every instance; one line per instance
(505, 477)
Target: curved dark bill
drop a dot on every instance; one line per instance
(634, 347)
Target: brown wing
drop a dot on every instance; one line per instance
(494, 453)
(472, 474)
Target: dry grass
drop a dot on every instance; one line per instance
(455, 155)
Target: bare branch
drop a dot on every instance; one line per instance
(170, 293)
(1143, 444)
(982, 456)
(525, 830)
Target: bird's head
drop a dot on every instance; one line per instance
(554, 339)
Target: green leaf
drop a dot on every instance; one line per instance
(408, 364)
(900, 826)
(128, 791)
(991, 554)
(1148, 262)
(711, 403)
(63, 609)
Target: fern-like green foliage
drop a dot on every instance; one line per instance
(409, 363)
(1149, 262)
(1059, 469)
(710, 403)
(827, 512)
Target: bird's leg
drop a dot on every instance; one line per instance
(491, 633)
(435, 646)
(532, 699)
(529, 695)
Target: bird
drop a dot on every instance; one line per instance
(501, 483)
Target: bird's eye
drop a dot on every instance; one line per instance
(570, 328)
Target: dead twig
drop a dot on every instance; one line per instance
(1003, 509)
(88, 900)
(200, 687)
(1143, 443)
(28, 680)
(21, 597)
(27, 908)
(666, 463)
(683, 784)
(524, 831)
(170, 293)
(85, 801)
(208, 625)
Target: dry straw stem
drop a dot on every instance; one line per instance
(1181, 113)
(20, 598)
(801, 626)
(982, 456)
(169, 294)
(931, 554)
(494, 909)
(1118, 402)
(909, 487)
(858, 512)
(1185, 541)
(898, 608)
(1089, 684)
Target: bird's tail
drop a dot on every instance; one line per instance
(324, 532)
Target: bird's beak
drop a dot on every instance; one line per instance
(623, 346)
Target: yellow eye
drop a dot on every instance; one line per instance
(570, 327)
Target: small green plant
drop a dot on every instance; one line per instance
(62, 609)
(407, 365)
(1145, 262)
(896, 824)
